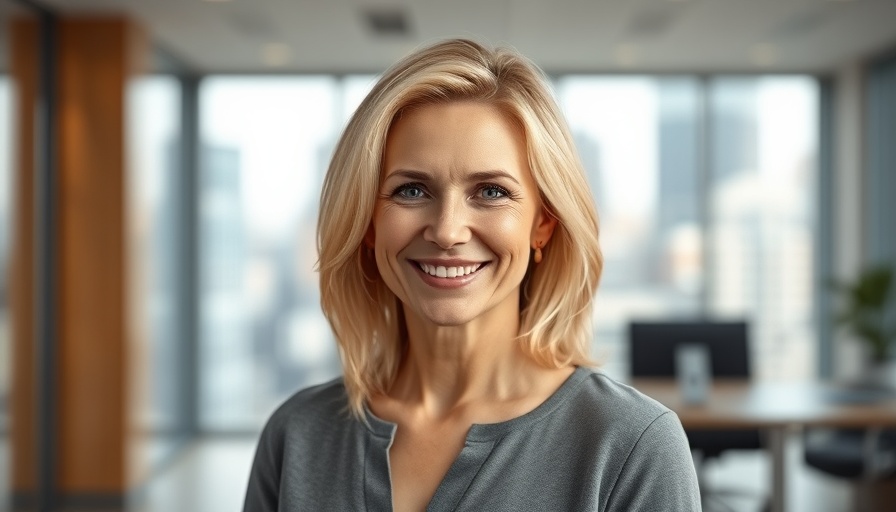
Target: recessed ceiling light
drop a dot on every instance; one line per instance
(216, 1)
(764, 55)
(387, 21)
(276, 54)
(626, 55)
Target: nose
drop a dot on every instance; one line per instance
(449, 225)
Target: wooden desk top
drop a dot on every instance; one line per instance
(746, 404)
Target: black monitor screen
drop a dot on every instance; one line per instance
(652, 346)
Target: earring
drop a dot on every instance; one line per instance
(538, 255)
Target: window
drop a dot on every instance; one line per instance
(762, 193)
(656, 159)
(156, 271)
(639, 143)
(266, 143)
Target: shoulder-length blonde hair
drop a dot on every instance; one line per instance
(365, 315)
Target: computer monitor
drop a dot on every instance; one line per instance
(652, 346)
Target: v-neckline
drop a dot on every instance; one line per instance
(480, 440)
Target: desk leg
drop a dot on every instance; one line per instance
(776, 440)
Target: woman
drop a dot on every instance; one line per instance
(458, 261)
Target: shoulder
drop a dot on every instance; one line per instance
(602, 419)
(649, 452)
(618, 448)
(296, 450)
(613, 407)
(628, 424)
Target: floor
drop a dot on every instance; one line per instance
(210, 476)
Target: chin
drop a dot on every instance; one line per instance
(447, 316)
(444, 320)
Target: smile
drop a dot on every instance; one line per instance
(449, 272)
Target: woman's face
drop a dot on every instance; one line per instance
(457, 213)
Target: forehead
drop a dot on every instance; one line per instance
(456, 138)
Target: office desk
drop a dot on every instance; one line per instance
(774, 407)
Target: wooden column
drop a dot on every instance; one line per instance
(24, 52)
(97, 58)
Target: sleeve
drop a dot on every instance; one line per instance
(262, 493)
(659, 471)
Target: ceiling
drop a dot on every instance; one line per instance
(562, 35)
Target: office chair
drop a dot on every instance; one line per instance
(652, 348)
(864, 456)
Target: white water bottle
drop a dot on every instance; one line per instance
(692, 368)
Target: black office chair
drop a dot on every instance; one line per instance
(851, 453)
(652, 349)
(863, 456)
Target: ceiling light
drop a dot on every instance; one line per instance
(276, 54)
(387, 21)
(626, 55)
(764, 55)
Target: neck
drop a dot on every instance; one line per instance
(448, 368)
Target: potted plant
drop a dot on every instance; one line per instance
(868, 314)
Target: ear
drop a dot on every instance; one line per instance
(370, 237)
(542, 228)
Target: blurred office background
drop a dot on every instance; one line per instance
(160, 167)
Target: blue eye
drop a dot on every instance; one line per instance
(409, 191)
(492, 192)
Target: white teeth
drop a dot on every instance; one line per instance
(449, 272)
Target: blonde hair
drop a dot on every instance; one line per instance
(366, 317)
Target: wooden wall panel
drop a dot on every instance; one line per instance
(97, 58)
(92, 379)
(23, 36)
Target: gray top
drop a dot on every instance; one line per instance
(595, 444)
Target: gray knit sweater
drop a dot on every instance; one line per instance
(594, 444)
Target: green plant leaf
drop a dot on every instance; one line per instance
(865, 306)
(873, 288)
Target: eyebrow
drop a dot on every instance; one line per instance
(476, 176)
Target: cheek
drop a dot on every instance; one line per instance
(393, 228)
(509, 228)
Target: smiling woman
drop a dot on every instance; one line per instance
(458, 261)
